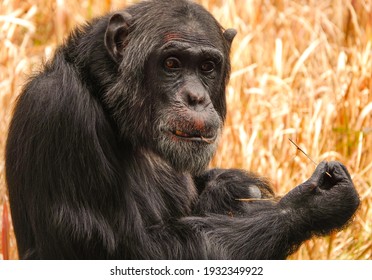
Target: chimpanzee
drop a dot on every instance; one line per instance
(109, 145)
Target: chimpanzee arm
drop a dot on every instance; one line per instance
(270, 230)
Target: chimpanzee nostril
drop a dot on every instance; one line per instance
(195, 98)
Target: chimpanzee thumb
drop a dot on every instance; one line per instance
(317, 178)
(314, 181)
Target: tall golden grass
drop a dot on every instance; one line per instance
(300, 69)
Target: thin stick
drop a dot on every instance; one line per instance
(252, 199)
(302, 151)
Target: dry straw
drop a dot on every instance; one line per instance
(301, 70)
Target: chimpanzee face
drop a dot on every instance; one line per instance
(184, 77)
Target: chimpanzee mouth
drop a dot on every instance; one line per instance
(196, 136)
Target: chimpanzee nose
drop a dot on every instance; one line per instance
(195, 96)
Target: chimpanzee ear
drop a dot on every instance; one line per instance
(229, 35)
(116, 34)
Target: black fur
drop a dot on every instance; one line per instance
(108, 147)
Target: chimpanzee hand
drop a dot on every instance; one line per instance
(326, 201)
(221, 189)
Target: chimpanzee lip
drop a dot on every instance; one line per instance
(194, 136)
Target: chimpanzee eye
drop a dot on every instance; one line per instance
(207, 66)
(172, 63)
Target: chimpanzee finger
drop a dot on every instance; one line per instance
(338, 171)
(307, 187)
(317, 178)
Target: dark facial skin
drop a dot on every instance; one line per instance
(184, 76)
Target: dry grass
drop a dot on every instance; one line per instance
(301, 69)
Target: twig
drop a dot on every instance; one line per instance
(302, 151)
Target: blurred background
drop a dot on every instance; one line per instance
(300, 70)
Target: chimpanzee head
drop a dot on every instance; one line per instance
(173, 74)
